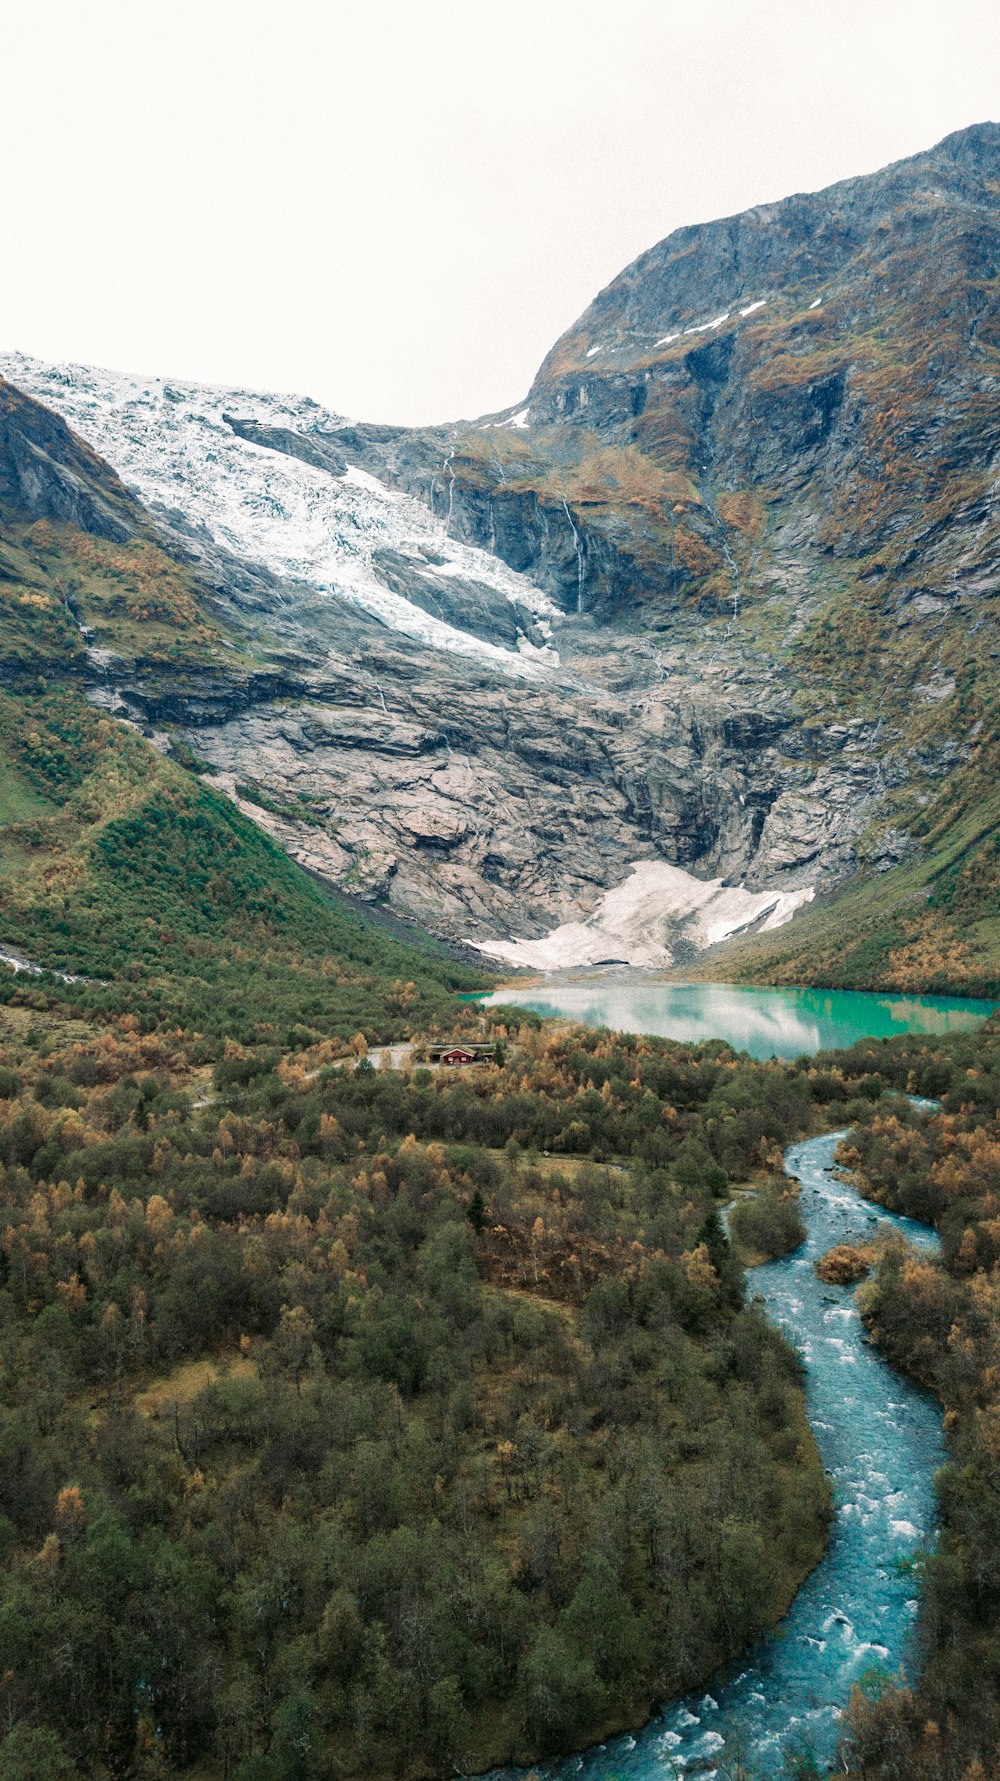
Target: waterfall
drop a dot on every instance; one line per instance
(581, 566)
(446, 470)
(732, 566)
(734, 572)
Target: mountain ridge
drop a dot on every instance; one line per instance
(753, 567)
(892, 182)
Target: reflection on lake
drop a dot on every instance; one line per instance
(764, 1022)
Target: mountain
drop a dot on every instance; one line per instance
(116, 864)
(822, 364)
(771, 447)
(715, 601)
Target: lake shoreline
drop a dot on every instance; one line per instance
(775, 1022)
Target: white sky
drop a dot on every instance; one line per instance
(397, 205)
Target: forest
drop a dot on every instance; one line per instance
(358, 1422)
(941, 1321)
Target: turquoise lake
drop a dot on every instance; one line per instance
(764, 1022)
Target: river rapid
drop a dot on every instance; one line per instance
(881, 1441)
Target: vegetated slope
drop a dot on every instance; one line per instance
(117, 865)
(941, 1320)
(932, 925)
(343, 1433)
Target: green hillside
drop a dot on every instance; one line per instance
(929, 926)
(118, 865)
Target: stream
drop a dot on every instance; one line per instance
(880, 1439)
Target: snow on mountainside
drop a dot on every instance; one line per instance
(173, 445)
(640, 921)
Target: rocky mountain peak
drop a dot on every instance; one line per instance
(796, 246)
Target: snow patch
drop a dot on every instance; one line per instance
(361, 479)
(592, 351)
(638, 921)
(704, 327)
(520, 420)
(816, 303)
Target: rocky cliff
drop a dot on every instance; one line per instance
(46, 472)
(718, 594)
(831, 357)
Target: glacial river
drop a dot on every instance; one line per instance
(880, 1439)
(764, 1022)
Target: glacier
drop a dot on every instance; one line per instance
(171, 444)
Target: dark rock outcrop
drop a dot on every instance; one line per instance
(48, 473)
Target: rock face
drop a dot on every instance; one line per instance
(48, 473)
(486, 814)
(817, 375)
(717, 598)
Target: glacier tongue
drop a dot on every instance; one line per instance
(170, 443)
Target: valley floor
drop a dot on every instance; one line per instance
(340, 1406)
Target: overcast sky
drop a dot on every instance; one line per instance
(397, 205)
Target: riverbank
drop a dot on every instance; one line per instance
(941, 1325)
(880, 1440)
(642, 1708)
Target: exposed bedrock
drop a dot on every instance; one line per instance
(45, 471)
(485, 815)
